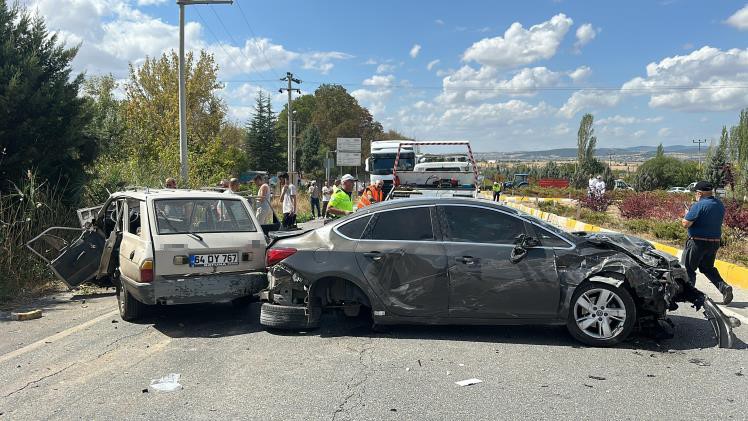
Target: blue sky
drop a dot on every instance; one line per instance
(504, 75)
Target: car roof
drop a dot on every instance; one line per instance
(417, 201)
(143, 194)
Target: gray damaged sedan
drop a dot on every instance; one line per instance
(466, 261)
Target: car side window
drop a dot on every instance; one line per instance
(468, 224)
(548, 239)
(355, 228)
(411, 224)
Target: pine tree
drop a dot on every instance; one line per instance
(715, 168)
(312, 143)
(262, 145)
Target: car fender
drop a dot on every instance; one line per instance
(606, 280)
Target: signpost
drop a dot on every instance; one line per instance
(349, 152)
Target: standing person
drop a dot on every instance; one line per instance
(288, 197)
(170, 183)
(336, 185)
(233, 186)
(704, 223)
(600, 186)
(341, 203)
(326, 195)
(591, 186)
(496, 190)
(314, 197)
(264, 210)
(371, 194)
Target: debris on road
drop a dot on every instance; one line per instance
(168, 383)
(28, 315)
(597, 377)
(468, 382)
(699, 362)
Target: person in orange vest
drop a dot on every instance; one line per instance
(372, 194)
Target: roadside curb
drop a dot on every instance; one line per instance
(735, 275)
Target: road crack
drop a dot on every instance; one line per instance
(39, 379)
(355, 386)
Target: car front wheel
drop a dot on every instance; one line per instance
(601, 314)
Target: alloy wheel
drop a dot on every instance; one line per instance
(600, 313)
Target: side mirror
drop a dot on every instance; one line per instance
(366, 164)
(522, 242)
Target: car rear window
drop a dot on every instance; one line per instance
(182, 216)
(355, 228)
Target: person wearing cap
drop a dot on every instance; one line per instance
(704, 223)
(341, 203)
(599, 186)
(496, 190)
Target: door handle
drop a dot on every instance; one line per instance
(374, 255)
(132, 254)
(467, 260)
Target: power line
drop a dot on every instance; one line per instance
(241, 50)
(217, 40)
(254, 36)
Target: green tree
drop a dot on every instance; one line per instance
(587, 164)
(311, 160)
(42, 116)
(264, 150)
(107, 125)
(664, 171)
(715, 165)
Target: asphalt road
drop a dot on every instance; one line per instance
(81, 361)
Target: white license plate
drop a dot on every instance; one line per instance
(216, 259)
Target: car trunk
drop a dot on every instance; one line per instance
(185, 254)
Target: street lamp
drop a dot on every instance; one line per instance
(183, 170)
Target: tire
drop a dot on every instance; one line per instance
(594, 323)
(129, 308)
(286, 317)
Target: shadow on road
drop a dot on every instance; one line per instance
(737, 304)
(204, 320)
(689, 333)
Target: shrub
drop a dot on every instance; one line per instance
(638, 225)
(671, 230)
(594, 218)
(598, 203)
(656, 205)
(736, 216)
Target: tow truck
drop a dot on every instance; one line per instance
(437, 177)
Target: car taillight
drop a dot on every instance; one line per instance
(146, 271)
(276, 255)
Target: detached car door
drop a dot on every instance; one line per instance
(483, 281)
(403, 263)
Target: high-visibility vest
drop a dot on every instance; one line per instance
(370, 194)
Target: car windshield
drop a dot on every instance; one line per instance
(382, 164)
(185, 216)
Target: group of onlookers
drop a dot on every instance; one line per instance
(596, 186)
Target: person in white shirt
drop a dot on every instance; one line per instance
(288, 196)
(264, 210)
(591, 185)
(233, 186)
(600, 186)
(326, 196)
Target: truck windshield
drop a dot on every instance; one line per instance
(382, 164)
(188, 216)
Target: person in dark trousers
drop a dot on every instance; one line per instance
(704, 223)
(497, 187)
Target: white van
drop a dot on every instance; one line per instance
(165, 247)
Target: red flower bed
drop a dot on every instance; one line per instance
(736, 215)
(655, 205)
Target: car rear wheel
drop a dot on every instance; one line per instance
(601, 314)
(286, 317)
(129, 308)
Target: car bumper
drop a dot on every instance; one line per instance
(721, 323)
(197, 289)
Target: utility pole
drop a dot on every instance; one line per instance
(183, 167)
(699, 141)
(290, 161)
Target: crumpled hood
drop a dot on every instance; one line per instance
(640, 248)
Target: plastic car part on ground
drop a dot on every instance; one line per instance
(168, 383)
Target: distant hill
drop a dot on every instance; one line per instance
(630, 154)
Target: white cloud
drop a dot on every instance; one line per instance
(503, 113)
(520, 46)
(587, 100)
(257, 55)
(585, 34)
(739, 19)
(431, 64)
(373, 99)
(439, 22)
(379, 80)
(639, 134)
(370, 61)
(664, 132)
(385, 68)
(707, 79)
(150, 2)
(322, 60)
(619, 119)
(580, 74)
(415, 50)
(561, 129)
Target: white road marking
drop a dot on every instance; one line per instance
(56, 336)
(728, 312)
